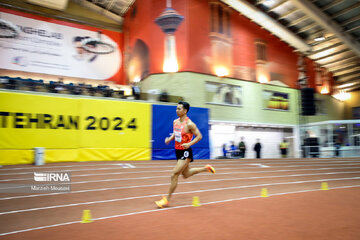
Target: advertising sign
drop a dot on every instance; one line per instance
(276, 100)
(57, 49)
(28, 121)
(224, 94)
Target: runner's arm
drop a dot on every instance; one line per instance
(172, 137)
(198, 136)
(169, 139)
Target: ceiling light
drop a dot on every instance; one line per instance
(221, 71)
(342, 95)
(324, 90)
(269, 1)
(318, 39)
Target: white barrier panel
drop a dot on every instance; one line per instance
(39, 156)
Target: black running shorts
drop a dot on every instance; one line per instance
(182, 154)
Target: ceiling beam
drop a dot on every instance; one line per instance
(288, 13)
(110, 5)
(333, 54)
(344, 11)
(297, 21)
(347, 70)
(340, 60)
(349, 89)
(253, 13)
(307, 27)
(351, 20)
(100, 10)
(346, 79)
(344, 67)
(129, 4)
(348, 84)
(326, 48)
(353, 29)
(258, 2)
(277, 5)
(355, 72)
(327, 23)
(330, 5)
(315, 43)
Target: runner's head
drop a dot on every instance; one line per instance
(182, 108)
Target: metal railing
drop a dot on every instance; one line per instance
(327, 152)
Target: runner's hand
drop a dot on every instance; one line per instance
(186, 145)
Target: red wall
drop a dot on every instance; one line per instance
(193, 41)
(331, 82)
(198, 39)
(143, 27)
(281, 57)
(139, 26)
(310, 72)
(244, 33)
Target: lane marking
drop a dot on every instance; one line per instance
(123, 165)
(171, 208)
(167, 183)
(157, 195)
(154, 177)
(259, 165)
(162, 165)
(122, 173)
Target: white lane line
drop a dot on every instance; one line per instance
(259, 165)
(123, 173)
(218, 173)
(154, 177)
(167, 183)
(171, 208)
(164, 162)
(128, 165)
(38, 228)
(157, 195)
(124, 165)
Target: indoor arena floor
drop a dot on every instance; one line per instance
(246, 199)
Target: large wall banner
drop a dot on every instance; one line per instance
(224, 94)
(72, 129)
(53, 48)
(162, 120)
(276, 100)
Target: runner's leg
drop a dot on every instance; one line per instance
(188, 172)
(179, 168)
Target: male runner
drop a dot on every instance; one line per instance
(184, 129)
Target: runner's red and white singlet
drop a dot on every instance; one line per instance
(180, 135)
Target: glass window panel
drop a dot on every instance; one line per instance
(340, 134)
(356, 134)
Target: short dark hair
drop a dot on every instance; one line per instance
(78, 39)
(186, 105)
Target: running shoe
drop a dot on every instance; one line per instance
(162, 203)
(210, 169)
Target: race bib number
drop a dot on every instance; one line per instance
(177, 136)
